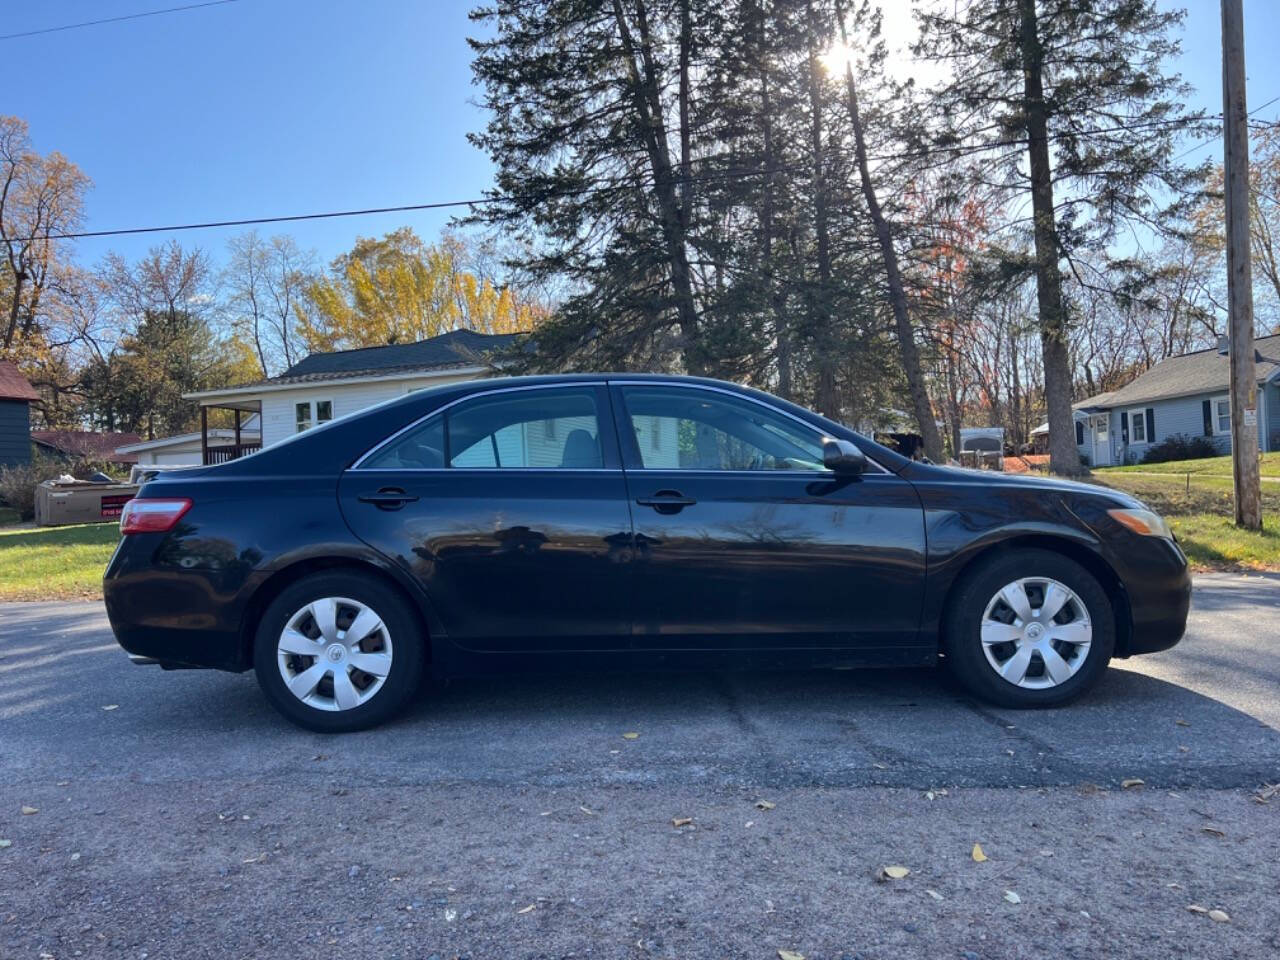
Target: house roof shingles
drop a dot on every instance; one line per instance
(1205, 371)
(13, 385)
(85, 443)
(458, 348)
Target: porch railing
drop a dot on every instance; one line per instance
(230, 451)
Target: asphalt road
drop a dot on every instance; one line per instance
(189, 820)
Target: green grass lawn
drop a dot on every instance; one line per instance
(1269, 466)
(1200, 512)
(55, 563)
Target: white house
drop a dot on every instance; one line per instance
(324, 386)
(185, 449)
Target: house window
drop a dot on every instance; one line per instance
(1222, 415)
(308, 414)
(1138, 425)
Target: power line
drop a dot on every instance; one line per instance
(128, 16)
(1209, 140)
(599, 186)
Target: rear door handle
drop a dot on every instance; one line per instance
(667, 501)
(388, 498)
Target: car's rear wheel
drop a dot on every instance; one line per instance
(1029, 628)
(338, 651)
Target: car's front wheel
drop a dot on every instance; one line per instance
(338, 651)
(1029, 628)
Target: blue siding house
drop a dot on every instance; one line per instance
(16, 394)
(1185, 395)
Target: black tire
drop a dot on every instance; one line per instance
(407, 651)
(963, 624)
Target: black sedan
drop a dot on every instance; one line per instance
(630, 521)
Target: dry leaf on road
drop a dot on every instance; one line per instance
(5, 844)
(527, 909)
(681, 821)
(112, 706)
(891, 873)
(258, 859)
(1219, 916)
(790, 955)
(1182, 723)
(28, 811)
(935, 894)
(1133, 782)
(1215, 831)
(588, 811)
(978, 855)
(765, 805)
(631, 736)
(1196, 908)
(1012, 897)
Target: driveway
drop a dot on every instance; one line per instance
(188, 820)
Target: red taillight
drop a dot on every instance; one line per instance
(152, 516)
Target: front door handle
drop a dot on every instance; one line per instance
(667, 501)
(388, 498)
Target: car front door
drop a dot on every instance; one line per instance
(510, 508)
(745, 540)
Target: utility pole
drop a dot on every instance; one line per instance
(1244, 379)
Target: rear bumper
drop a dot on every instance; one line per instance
(175, 618)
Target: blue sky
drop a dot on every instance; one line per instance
(264, 107)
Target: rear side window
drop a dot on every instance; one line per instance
(542, 429)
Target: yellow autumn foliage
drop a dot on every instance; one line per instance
(398, 289)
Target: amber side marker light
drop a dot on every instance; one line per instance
(152, 516)
(1142, 522)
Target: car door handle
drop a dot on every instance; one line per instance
(667, 501)
(388, 498)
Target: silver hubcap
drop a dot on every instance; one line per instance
(1036, 633)
(334, 654)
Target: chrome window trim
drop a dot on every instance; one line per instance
(357, 465)
(740, 396)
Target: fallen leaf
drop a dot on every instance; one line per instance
(765, 805)
(112, 706)
(935, 894)
(1268, 791)
(1219, 916)
(749, 823)
(258, 859)
(631, 736)
(892, 873)
(5, 844)
(1182, 723)
(527, 909)
(588, 811)
(28, 811)
(681, 821)
(545, 813)
(881, 766)
(1196, 908)
(1133, 782)
(1182, 749)
(1215, 831)
(790, 955)
(978, 855)
(1012, 897)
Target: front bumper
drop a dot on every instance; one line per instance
(1157, 581)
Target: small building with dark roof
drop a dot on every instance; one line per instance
(1187, 395)
(16, 396)
(324, 386)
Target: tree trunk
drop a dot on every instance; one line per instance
(648, 105)
(781, 333)
(821, 319)
(1064, 458)
(916, 388)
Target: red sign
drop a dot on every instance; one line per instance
(113, 504)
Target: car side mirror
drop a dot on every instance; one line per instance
(843, 457)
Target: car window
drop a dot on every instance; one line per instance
(557, 428)
(678, 428)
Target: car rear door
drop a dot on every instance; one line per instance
(509, 508)
(745, 540)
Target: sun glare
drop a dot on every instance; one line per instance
(837, 58)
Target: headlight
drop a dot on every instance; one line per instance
(1143, 522)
